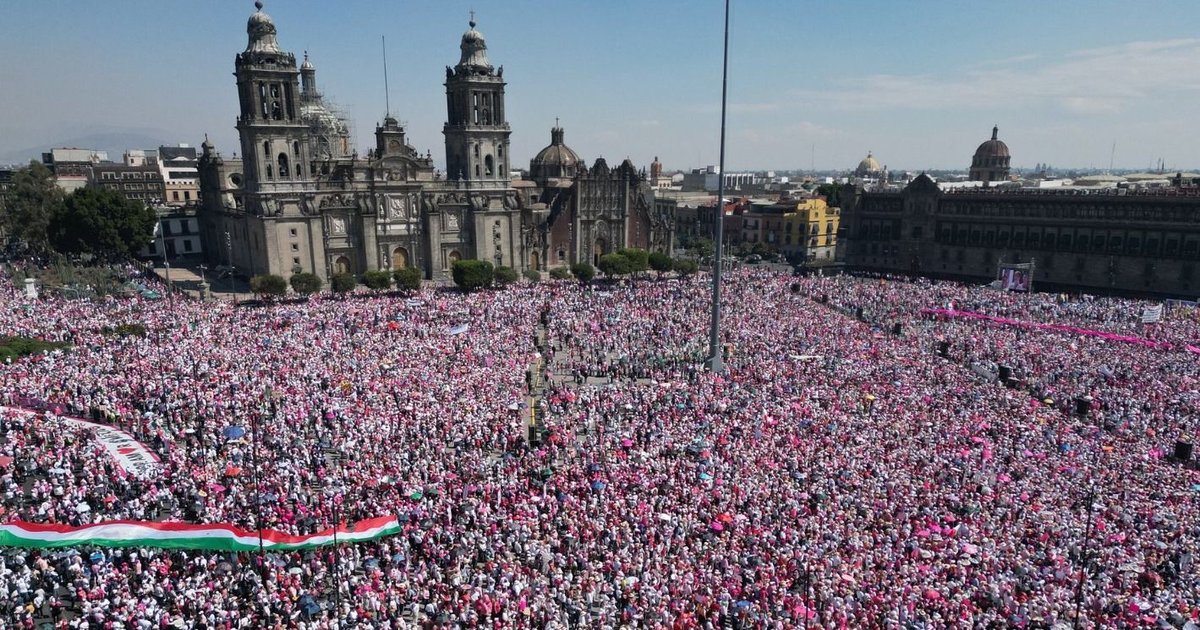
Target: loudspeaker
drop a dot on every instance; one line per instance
(943, 349)
(796, 287)
(858, 312)
(1005, 373)
(1183, 451)
(897, 329)
(1012, 382)
(1083, 405)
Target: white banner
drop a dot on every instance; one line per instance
(132, 456)
(1152, 314)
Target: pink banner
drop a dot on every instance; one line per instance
(1086, 332)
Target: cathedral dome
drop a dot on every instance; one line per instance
(474, 50)
(868, 165)
(260, 29)
(556, 160)
(993, 148)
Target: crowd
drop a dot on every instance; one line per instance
(836, 475)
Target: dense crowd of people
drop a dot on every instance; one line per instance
(835, 475)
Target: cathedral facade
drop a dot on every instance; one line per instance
(301, 199)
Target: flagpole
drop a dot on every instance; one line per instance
(714, 336)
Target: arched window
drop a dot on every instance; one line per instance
(341, 265)
(296, 149)
(489, 166)
(487, 116)
(452, 258)
(283, 165)
(477, 170)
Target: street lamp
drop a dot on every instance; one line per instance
(262, 560)
(334, 489)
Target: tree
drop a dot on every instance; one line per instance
(408, 279)
(532, 276)
(832, 193)
(639, 259)
(560, 273)
(583, 272)
(614, 265)
(505, 276)
(702, 247)
(660, 262)
(305, 283)
(342, 283)
(269, 285)
(377, 280)
(473, 274)
(32, 201)
(685, 267)
(102, 222)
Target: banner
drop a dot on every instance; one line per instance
(132, 456)
(1151, 314)
(211, 537)
(458, 330)
(1086, 332)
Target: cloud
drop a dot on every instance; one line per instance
(1105, 80)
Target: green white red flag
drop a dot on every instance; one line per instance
(212, 536)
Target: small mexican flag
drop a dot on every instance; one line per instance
(212, 537)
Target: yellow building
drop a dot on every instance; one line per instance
(810, 230)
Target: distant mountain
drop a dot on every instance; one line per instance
(116, 143)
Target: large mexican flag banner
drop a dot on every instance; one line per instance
(212, 537)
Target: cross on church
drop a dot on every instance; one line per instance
(472, 18)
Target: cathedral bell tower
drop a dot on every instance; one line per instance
(274, 136)
(476, 130)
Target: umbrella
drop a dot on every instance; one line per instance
(598, 485)
(232, 471)
(417, 496)
(716, 526)
(83, 508)
(233, 433)
(705, 477)
(5, 461)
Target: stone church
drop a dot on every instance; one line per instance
(300, 198)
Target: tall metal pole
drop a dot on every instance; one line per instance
(1087, 544)
(714, 334)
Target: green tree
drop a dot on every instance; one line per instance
(377, 280)
(532, 276)
(95, 221)
(832, 193)
(685, 267)
(342, 283)
(269, 285)
(702, 247)
(583, 272)
(504, 276)
(305, 283)
(560, 273)
(408, 279)
(613, 265)
(32, 202)
(639, 259)
(660, 263)
(473, 274)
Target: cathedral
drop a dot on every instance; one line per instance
(301, 199)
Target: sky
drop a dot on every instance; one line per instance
(811, 83)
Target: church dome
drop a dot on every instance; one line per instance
(993, 148)
(556, 160)
(260, 29)
(474, 50)
(868, 165)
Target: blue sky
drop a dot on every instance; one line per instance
(812, 83)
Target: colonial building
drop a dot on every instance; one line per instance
(1111, 240)
(301, 199)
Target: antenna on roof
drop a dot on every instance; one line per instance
(387, 94)
(1112, 156)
